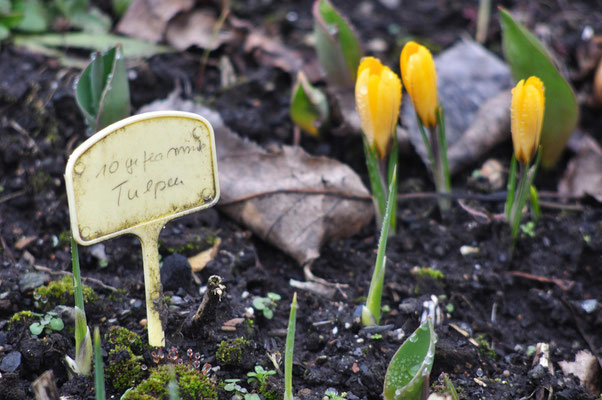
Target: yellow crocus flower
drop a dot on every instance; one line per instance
(420, 80)
(527, 109)
(377, 98)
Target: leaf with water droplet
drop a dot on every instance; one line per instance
(411, 364)
(337, 45)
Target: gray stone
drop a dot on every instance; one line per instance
(11, 362)
(32, 280)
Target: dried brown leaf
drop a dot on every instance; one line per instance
(148, 19)
(583, 176)
(288, 198)
(195, 28)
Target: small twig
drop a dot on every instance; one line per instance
(559, 206)
(310, 192)
(12, 195)
(87, 279)
(563, 284)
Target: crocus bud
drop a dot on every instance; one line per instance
(420, 80)
(528, 103)
(377, 98)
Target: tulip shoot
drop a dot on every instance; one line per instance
(408, 372)
(371, 311)
(338, 48)
(102, 90)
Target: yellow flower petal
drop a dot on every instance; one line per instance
(378, 98)
(362, 103)
(420, 79)
(527, 111)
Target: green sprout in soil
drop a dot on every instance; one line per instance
(99, 374)
(229, 352)
(48, 323)
(408, 372)
(430, 272)
(83, 340)
(370, 314)
(528, 229)
(289, 350)
(260, 376)
(485, 347)
(332, 394)
(192, 384)
(267, 305)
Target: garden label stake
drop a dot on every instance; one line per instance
(134, 176)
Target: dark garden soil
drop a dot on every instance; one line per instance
(505, 306)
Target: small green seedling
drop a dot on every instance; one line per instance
(332, 394)
(289, 350)
(309, 106)
(231, 385)
(528, 228)
(267, 305)
(48, 323)
(409, 369)
(260, 376)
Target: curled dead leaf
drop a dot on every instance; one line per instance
(148, 19)
(199, 261)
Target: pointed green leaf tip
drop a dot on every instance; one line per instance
(337, 45)
(411, 364)
(99, 372)
(309, 106)
(527, 57)
(102, 90)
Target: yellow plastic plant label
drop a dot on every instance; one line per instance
(134, 176)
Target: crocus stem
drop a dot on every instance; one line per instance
(519, 201)
(439, 177)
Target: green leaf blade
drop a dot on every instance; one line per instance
(102, 91)
(309, 106)
(337, 45)
(289, 349)
(527, 57)
(410, 365)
